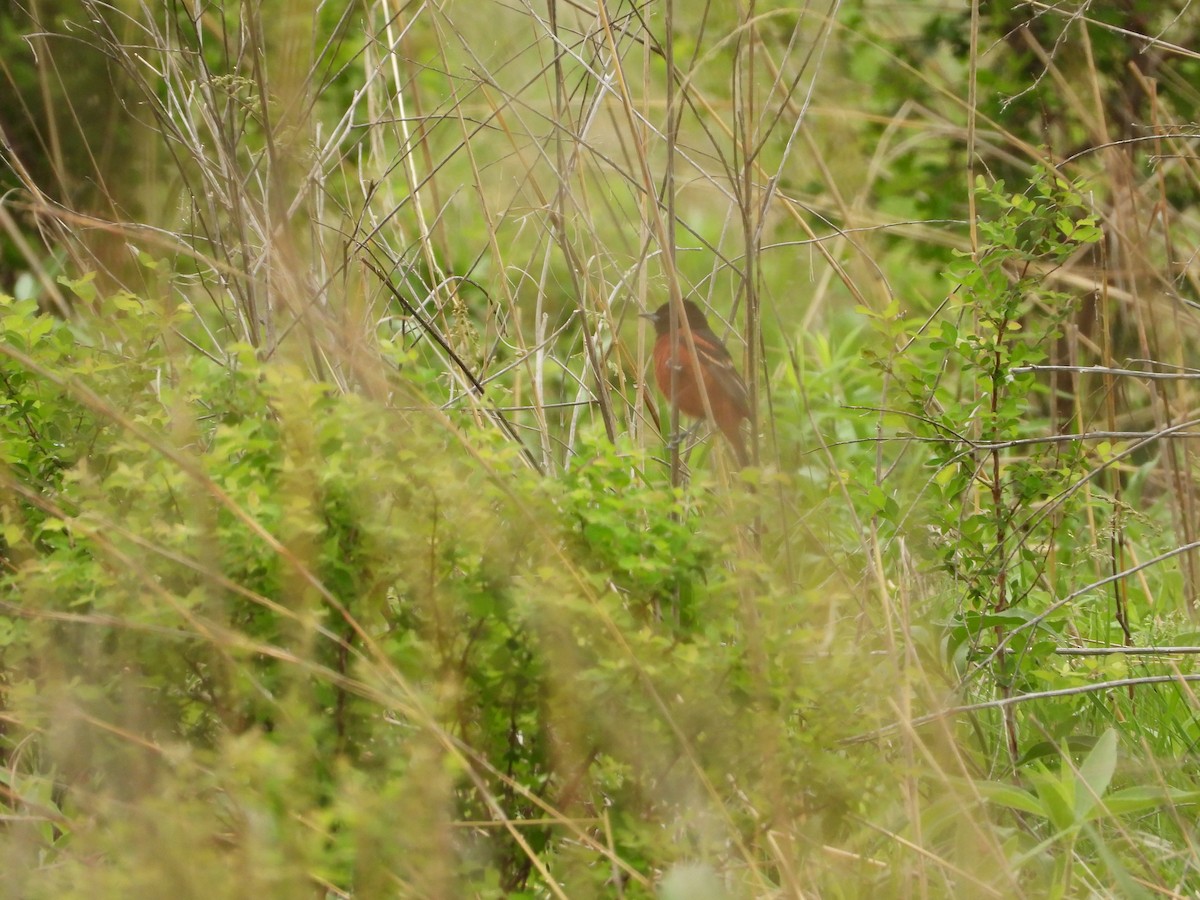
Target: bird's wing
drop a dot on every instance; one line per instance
(718, 364)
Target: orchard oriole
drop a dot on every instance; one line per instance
(680, 377)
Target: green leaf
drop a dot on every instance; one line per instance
(1095, 773)
(1058, 804)
(1010, 797)
(126, 302)
(84, 288)
(1142, 799)
(1047, 749)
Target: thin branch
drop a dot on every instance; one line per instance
(1007, 702)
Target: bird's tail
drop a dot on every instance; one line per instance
(737, 443)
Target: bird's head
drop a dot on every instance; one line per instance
(661, 317)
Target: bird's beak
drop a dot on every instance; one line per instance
(648, 315)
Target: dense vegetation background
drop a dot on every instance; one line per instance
(345, 551)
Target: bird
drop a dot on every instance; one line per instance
(679, 376)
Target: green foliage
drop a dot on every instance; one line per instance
(39, 430)
(992, 347)
(639, 538)
(309, 603)
(1002, 499)
(1076, 802)
(265, 551)
(334, 563)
